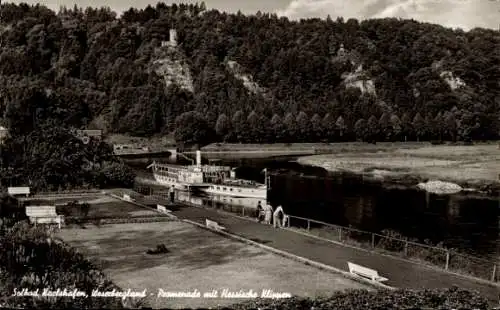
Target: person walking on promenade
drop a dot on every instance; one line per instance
(172, 193)
(268, 214)
(278, 217)
(260, 212)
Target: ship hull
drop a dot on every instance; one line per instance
(207, 179)
(169, 182)
(237, 191)
(223, 190)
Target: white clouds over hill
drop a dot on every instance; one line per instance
(465, 14)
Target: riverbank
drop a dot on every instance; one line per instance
(476, 166)
(260, 151)
(305, 147)
(472, 167)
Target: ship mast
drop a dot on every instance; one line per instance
(267, 182)
(182, 154)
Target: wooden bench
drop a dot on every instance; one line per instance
(365, 272)
(128, 198)
(18, 191)
(44, 215)
(163, 209)
(41, 211)
(214, 225)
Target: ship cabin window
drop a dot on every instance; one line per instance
(225, 189)
(218, 188)
(231, 189)
(239, 190)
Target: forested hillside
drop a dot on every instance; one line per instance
(244, 78)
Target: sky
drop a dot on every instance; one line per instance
(465, 14)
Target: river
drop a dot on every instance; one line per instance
(466, 221)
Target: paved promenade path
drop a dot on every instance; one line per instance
(401, 274)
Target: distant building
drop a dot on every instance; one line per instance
(119, 147)
(4, 132)
(88, 133)
(172, 40)
(173, 37)
(341, 52)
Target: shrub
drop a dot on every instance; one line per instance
(453, 298)
(32, 259)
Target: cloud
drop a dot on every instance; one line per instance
(464, 14)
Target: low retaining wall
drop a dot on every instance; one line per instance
(168, 215)
(125, 220)
(68, 193)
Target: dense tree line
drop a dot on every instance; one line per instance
(87, 68)
(254, 128)
(52, 158)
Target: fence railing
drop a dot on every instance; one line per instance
(68, 192)
(430, 255)
(443, 258)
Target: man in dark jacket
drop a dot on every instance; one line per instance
(260, 212)
(172, 194)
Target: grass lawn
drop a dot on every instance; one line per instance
(61, 199)
(50, 201)
(100, 207)
(461, 164)
(198, 259)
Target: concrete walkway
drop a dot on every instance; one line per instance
(401, 274)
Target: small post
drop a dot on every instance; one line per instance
(340, 233)
(243, 211)
(373, 240)
(406, 248)
(493, 274)
(447, 260)
(308, 225)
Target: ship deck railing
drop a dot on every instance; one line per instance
(204, 168)
(238, 184)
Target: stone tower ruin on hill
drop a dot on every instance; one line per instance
(172, 39)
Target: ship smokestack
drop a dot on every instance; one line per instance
(198, 158)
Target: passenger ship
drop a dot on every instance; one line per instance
(215, 180)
